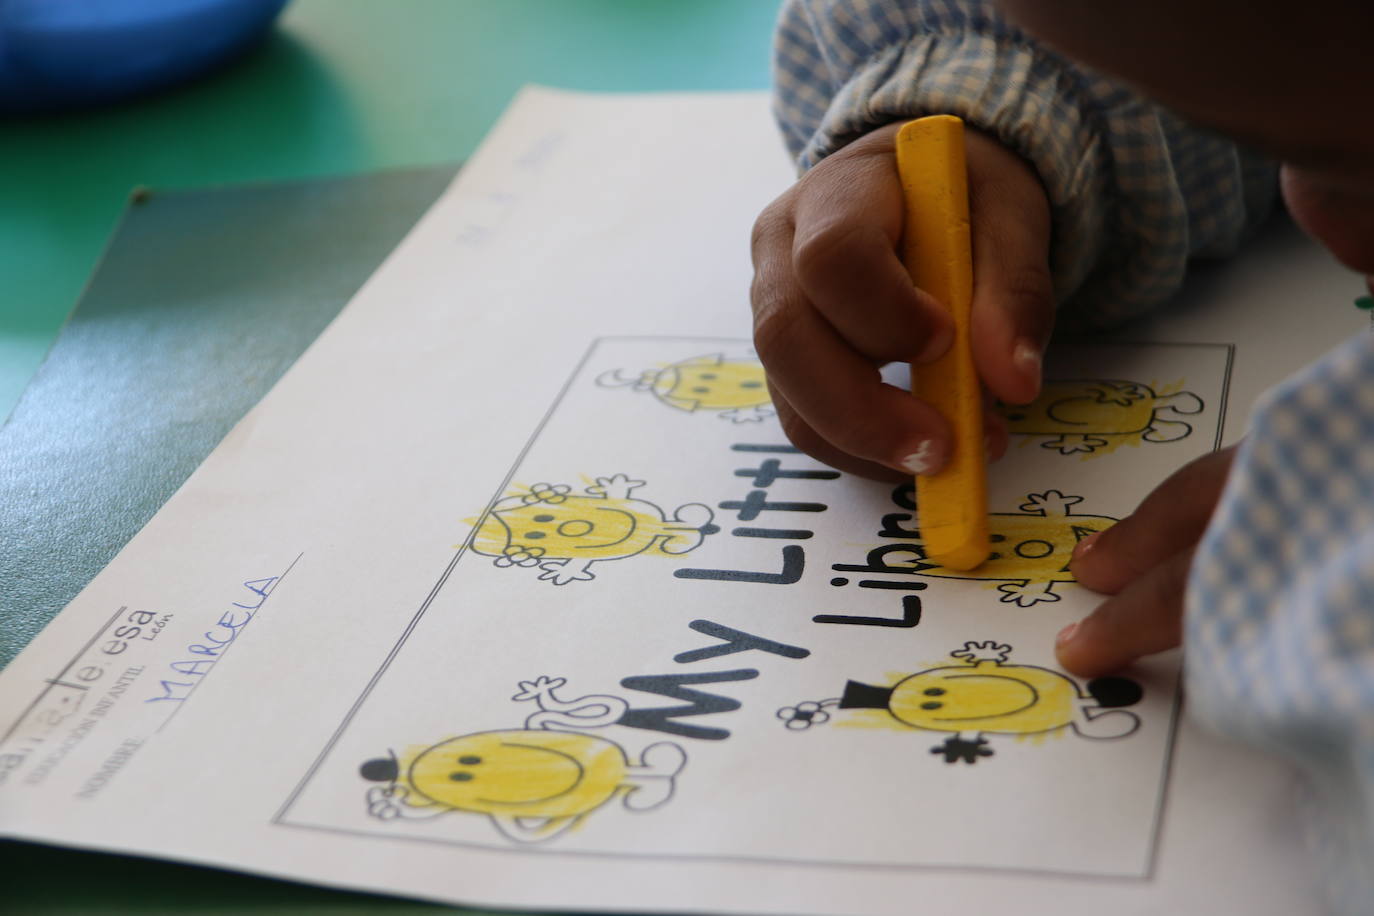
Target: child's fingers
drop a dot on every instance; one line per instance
(1170, 519)
(844, 255)
(1013, 292)
(814, 444)
(1146, 617)
(835, 391)
(996, 434)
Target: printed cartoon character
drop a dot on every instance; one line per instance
(735, 387)
(563, 533)
(534, 783)
(981, 694)
(1087, 415)
(1030, 549)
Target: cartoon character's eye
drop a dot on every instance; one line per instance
(460, 777)
(543, 518)
(534, 535)
(708, 375)
(469, 759)
(934, 691)
(751, 384)
(700, 389)
(1034, 549)
(932, 704)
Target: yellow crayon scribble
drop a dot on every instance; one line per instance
(521, 772)
(1094, 417)
(1031, 550)
(736, 388)
(562, 532)
(987, 696)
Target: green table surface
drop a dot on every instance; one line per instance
(340, 87)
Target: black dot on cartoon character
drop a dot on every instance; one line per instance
(752, 383)
(543, 518)
(1014, 417)
(934, 691)
(534, 535)
(1034, 549)
(1115, 692)
(709, 376)
(460, 776)
(469, 759)
(380, 769)
(932, 704)
(839, 580)
(701, 389)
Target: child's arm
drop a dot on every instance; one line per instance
(1081, 193)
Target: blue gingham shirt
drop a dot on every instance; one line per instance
(1280, 608)
(1135, 192)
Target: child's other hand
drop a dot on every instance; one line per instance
(833, 303)
(1142, 562)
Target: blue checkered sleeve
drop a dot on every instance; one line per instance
(1280, 608)
(1135, 192)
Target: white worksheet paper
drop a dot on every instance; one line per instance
(512, 591)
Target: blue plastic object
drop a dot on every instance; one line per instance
(70, 53)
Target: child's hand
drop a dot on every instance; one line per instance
(1142, 562)
(833, 303)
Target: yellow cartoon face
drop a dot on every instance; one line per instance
(563, 533)
(525, 773)
(1034, 547)
(578, 526)
(985, 697)
(1084, 406)
(712, 383)
(1031, 549)
(981, 694)
(1087, 416)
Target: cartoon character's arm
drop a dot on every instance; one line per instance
(1050, 504)
(1105, 724)
(977, 652)
(532, 829)
(1184, 402)
(619, 378)
(1027, 593)
(391, 802)
(561, 572)
(687, 529)
(1123, 394)
(756, 414)
(591, 711)
(1072, 443)
(617, 486)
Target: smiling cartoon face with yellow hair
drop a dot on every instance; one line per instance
(532, 783)
(735, 388)
(563, 533)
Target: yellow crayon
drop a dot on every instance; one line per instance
(952, 505)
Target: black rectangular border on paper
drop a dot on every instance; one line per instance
(280, 817)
